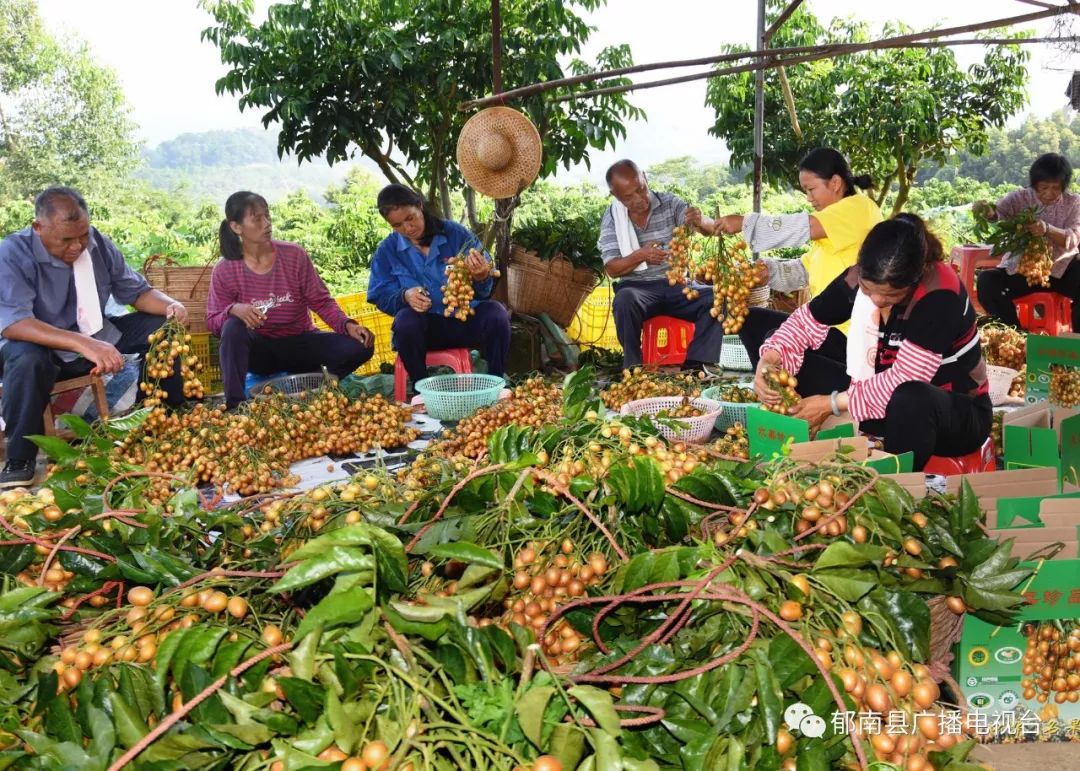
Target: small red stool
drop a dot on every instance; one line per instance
(1045, 312)
(664, 340)
(457, 359)
(967, 258)
(972, 463)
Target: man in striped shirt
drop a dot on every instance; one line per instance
(634, 235)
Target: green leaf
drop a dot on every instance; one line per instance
(911, 616)
(607, 757)
(336, 609)
(567, 743)
(305, 696)
(789, 662)
(853, 555)
(463, 551)
(197, 647)
(896, 500)
(129, 727)
(67, 754)
(193, 681)
(60, 723)
(530, 712)
(430, 628)
(55, 447)
(640, 488)
(846, 583)
(77, 424)
(302, 657)
(812, 756)
(333, 559)
(967, 512)
(346, 732)
(770, 698)
(600, 705)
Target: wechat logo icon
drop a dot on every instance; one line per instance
(801, 718)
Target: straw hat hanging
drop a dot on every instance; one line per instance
(499, 152)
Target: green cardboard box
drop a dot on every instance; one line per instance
(1018, 498)
(857, 449)
(769, 432)
(990, 659)
(1043, 435)
(1042, 351)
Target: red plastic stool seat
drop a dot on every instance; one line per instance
(664, 340)
(972, 463)
(966, 259)
(1047, 312)
(457, 359)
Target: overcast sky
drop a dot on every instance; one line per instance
(168, 74)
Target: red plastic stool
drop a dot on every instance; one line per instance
(457, 359)
(1046, 312)
(664, 340)
(967, 259)
(972, 463)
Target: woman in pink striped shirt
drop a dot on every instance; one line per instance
(915, 371)
(261, 296)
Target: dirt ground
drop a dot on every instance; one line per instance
(1029, 757)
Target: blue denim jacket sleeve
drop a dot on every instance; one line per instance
(385, 291)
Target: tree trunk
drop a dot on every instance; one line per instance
(500, 226)
(906, 177)
(470, 210)
(444, 195)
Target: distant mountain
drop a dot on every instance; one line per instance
(209, 165)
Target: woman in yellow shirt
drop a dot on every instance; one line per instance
(835, 230)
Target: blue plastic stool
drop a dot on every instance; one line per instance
(253, 381)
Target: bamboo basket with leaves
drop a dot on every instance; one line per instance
(553, 267)
(190, 284)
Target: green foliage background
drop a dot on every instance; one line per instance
(169, 200)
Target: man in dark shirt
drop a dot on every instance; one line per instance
(55, 278)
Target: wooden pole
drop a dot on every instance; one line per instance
(823, 52)
(496, 47)
(759, 109)
(504, 207)
(894, 42)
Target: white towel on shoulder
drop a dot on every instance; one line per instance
(87, 301)
(862, 338)
(625, 233)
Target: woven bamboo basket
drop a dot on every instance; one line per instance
(789, 302)
(190, 284)
(554, 286)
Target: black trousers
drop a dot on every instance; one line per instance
(926, 420)
(244, 350)
(823, 370)
(636, 302)
(488, 330)
(996, 290)
(30, 371)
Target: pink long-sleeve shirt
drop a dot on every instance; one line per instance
(1063, 213)
(292, 288)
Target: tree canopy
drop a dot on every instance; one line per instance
(63, 117)
(384, 78)
(890, 112)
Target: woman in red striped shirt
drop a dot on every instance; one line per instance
(261, 297)
(915, 372)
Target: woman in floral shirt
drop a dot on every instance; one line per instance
(1059, 221)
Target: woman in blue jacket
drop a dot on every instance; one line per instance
(407, 276)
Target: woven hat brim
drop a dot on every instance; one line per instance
(524, 165)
